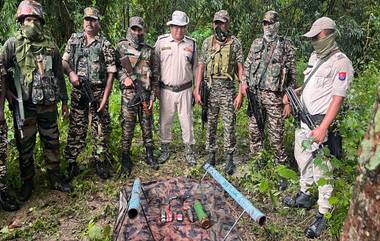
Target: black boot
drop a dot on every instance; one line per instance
(165, 153)
(26, 190)
(73, 170)
(230, 166)
(301, 200)
(316, 227)
(58, 181)
(211, 158)
(126, 164)
(7, 202)
(150, 158)
(102, 170)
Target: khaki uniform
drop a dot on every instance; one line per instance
(220, 71)
(174, 66)
(332, 78)
(93, 61)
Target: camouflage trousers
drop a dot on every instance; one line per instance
(3, 155)
(41, 118)
(221, 99)
(272, 106)
(128, 122)
(81, 117)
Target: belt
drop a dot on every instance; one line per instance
(176, 88)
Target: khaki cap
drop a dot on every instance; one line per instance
(319, 25)
(271, 17)
(222, 16)
(91, 12)
(136, 22)
(179, 18)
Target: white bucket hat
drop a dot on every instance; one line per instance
(179, 18)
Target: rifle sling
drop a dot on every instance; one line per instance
(268, 60)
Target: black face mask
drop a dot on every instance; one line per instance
(220, 35)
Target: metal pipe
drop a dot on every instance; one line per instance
(134, 201)
(255, 213)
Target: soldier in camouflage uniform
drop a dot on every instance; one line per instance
(34, 61)
(6, 201)
(89, 56)
(136, 56)
(269, 69)
(220, 60)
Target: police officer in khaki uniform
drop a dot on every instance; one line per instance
(135, 64)
(327, 78)
(174, 66)
(89, 58)
(220, 60)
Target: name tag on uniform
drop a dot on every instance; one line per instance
(166, 48)
(342, 76)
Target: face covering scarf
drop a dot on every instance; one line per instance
(271, 31)
(323, 47)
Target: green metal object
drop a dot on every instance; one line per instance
(201, 215)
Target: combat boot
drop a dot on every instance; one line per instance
(102, 170)
(73, 170)
(190, 158)
(230, 166)
(7, 202)
(126, 164)
(316, 227)
(301, 200)
(165, 153)
(26, 190)
(150, 158)
(211, 158)
(58, 181)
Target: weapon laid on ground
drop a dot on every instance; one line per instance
(201, 215)
(248, 207)
(299, 110)
(254, 108)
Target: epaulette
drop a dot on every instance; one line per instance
(340, 56)
(163, 36)
(190, 38)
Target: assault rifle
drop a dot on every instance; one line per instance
(205, 93)
(254, 108)
(85, 87)
(299, 110)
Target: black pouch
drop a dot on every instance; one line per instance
(334, 143)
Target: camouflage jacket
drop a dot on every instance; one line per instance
(47, 89)
(94, 60)
(141, 61)
(280, 72)
(207, 57)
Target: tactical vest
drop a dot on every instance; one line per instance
(88, 61)
(140, 61)
(220, 64)
(44, 88)
(271, 78)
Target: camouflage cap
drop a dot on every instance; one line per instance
(319, 25)
(136, 21)
(271, 17)
(29, 8)
(222, 16)
(91, 12)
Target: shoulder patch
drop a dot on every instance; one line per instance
(342, 76)
(190, 38)
(163, 36)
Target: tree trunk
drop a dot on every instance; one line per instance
(363, 220)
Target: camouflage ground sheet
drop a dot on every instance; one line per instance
(208, 192)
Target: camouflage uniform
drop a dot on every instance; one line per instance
(269, 86)
(40, 99)
(141, 58)
(222, 93)
(94, 62)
